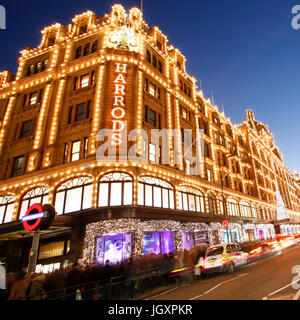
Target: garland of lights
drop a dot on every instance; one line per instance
(137, 228)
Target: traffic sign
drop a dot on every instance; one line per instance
(225, 223)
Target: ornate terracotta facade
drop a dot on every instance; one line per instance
(90, 74)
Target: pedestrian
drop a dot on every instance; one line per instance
(107, 273)
(18, 290)
(130, 276)
(36, 288)
(73, 281)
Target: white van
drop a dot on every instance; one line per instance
(224, 257)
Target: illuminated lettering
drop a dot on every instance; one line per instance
(117, 111)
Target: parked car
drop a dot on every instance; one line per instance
(225, 258)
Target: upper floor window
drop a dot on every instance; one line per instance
(222, 205)
(32, 98)
(36, 195)
(159, 66)
(7, 203)
(81, 112)
(18, 166)
(148, 56)
(26, 129)
(74, 195)
(159, 45)
(51, 41)
(154, 61)
(191, 199)
(233, 207)
(86, 49)
(37, 67)
(212, 203)
(115, 189)
(84, 80)
(83, 29)
(154, 192)
(152, 117)
(245, 209)
(94, 46)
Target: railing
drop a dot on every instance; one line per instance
(115, 288)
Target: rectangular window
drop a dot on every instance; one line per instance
(33, 98)
(80, 109)
(84, 81)
(26, 129)
(184, 113)
(116, 194)
(209, 177)
(75, 153)
(103, 195)
(70, 114)
(152, 118)
(152, 152)
(73, 200)
(65, 160)
(18, 166)
(152, 89)
(86, 142)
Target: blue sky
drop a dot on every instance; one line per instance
(245, 52)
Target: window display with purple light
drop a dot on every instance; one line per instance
(113, 247)
(158, 242)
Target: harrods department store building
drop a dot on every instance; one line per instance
(117, 73)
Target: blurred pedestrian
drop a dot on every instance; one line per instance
(36, 288)
(73, 281)
(130, 276)
(18, 290)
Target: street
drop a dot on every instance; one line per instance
(267, 279)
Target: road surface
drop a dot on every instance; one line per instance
(267, 279)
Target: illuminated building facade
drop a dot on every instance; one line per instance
(117, 73)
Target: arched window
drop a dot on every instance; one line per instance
(115, 189)
(6, 208)
(154, 192)
(36, 195)
(233, 207)
(148, 56)
(74, 195)
(191, 199)
(254, 211)
(94, 46)
(86, 49)
(211, 203)
(78, 52)
(245, 209)
(222, 205)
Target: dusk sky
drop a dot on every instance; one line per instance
(245, 52)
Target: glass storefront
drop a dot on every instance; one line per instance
(250, 235)
(113, 247)
(158, 242)
(231, 236)
(191, 239)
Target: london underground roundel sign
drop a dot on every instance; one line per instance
(225, 223)
(38, 216)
